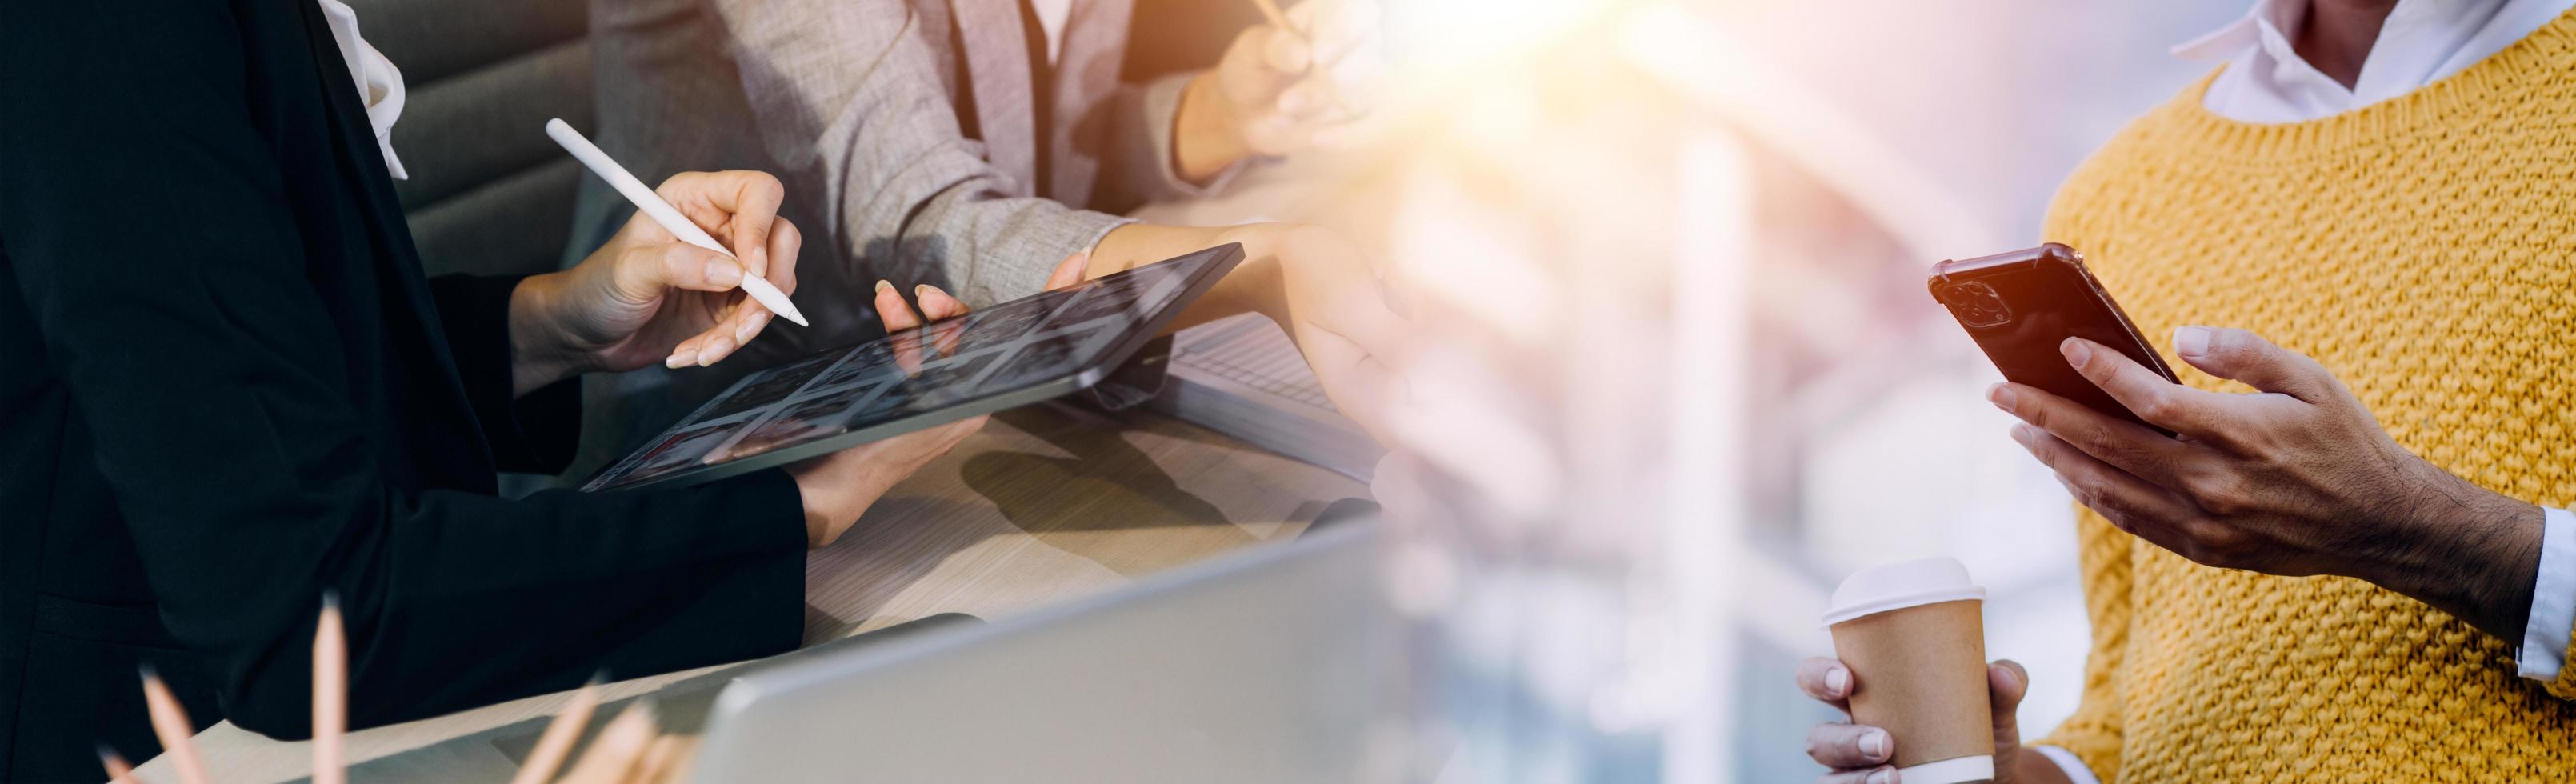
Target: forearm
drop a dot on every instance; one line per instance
(570, 584)
(1205, 140)
(2480, 563)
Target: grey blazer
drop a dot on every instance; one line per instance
(908, 134)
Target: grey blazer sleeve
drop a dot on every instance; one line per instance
(852, 93)
(1139, 167)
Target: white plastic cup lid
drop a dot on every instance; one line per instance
(1900, 585)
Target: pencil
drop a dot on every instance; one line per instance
(556, 742)
(330, 693)
(170, 722)
(1270, 10)
(663, 760)
(119, 771)
(614, 753)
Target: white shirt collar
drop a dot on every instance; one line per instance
(2421, 42)
(380, 84)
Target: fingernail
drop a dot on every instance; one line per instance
(884, 286)
(1836, 680)
(1883, 777)
(2077, 350)
(1874, 743)
(2021, 434)
(715, 350)
(680, 358)
(2001, 395)
(1294, 101)
(749, 326)
(2191, 341)
(723, 272)
(922, 290)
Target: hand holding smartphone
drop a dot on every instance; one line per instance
(2021, 306)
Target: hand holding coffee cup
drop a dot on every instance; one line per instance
(1926, 707)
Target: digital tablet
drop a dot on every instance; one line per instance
(1008, 355)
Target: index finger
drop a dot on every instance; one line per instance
(739, 206)
(2176, 407)
(2123, 444)
(1828, 681)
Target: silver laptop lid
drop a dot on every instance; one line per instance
(1274, 664)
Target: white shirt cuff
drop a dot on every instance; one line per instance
(2553, 599)
(2067, 761)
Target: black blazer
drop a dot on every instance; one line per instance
(226, 387)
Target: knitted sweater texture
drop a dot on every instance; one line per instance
(2423, 249)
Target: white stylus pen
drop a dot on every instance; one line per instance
(663, 213)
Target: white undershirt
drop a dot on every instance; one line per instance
(1051, 18)
(380, 84)
(2421, 42)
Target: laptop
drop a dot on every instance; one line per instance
(1273, 664)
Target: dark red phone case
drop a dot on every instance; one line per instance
(2020, 306)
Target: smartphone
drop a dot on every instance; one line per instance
(2020, 306)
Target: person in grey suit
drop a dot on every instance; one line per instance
(970, 145)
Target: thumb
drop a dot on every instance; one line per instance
(2239, 355)
(1069, 271)
(2006, 684)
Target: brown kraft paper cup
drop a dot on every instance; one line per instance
(1919, 670)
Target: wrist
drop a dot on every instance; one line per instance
(2031, 767)
(1205, 137)
(538, 356)
(834, 500)
(2466, 550)
(1263, 275)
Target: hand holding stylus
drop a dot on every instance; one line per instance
(663, 289)
(647, 297)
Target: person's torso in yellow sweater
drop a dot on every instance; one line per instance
(2424, 249)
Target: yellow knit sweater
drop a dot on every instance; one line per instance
(2424, 249)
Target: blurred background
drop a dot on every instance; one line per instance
(1676, 250)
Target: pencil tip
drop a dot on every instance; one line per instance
(146, 670)
(330, 600)
(107, 753)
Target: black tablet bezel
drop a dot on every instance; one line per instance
(1135, 338)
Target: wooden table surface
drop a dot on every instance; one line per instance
(1045, 504)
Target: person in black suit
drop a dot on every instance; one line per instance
(226, 388)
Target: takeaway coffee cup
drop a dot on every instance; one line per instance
(1913, 634)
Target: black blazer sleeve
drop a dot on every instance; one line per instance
(535, 433)
(148, 225)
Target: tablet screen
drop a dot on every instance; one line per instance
(1013, 346)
